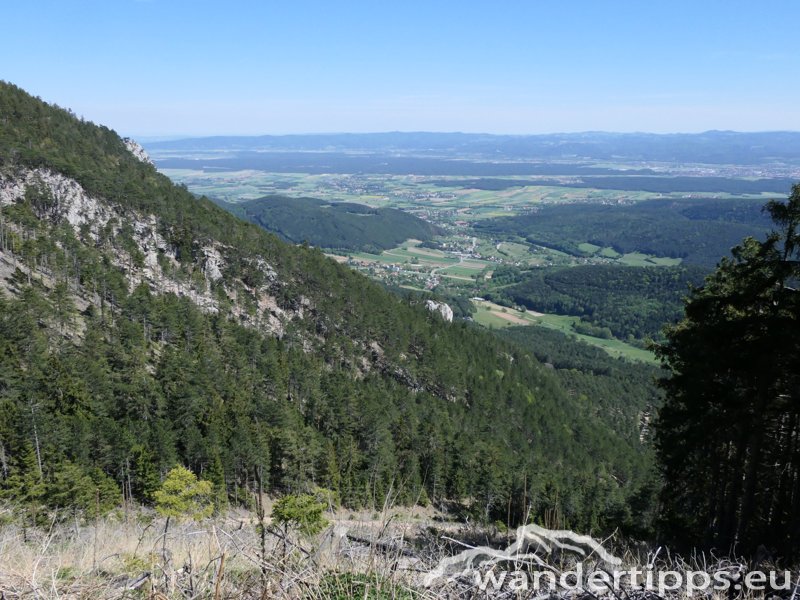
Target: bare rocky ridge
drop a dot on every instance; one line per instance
(95, 217)
(440, 307)
(136, 149)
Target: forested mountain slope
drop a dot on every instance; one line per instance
(141, 327)
(337, 225)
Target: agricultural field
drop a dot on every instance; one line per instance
(495, 316)
(408, 192)
(425, 265)
(630, 259)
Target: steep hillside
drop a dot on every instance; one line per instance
(337, 225)
(141, 327)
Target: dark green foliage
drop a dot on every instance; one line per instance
(698, 231)
(727, 434)
(303, 512)
(622, 394)
(628, 302)
(335, 225)
(619, 391)
(223, 399)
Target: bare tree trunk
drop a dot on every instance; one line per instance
(755, 445)
(164, 554)
(262, 524)
(3, 461)
(36, 442)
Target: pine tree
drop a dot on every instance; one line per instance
(727, 434)
(25, 488)
(182, 495)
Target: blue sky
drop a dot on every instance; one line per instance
(195, 67)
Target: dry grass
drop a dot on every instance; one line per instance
(119, 557)
(101, 560)
(370, 555)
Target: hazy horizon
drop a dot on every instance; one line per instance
(176, 137)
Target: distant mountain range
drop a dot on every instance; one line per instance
(711, 147)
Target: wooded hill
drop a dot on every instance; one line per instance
(626, 302)
(700, 232)
(141, 327)
(333, 225)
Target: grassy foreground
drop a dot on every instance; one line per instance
(127, 556)
(389, 554)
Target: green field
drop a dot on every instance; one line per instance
(410, 256)
(609, 253)
(408, 192)
(408, 253)
(637, 259)
(495, 316)
(490, 314)
(615, 347)
(631, 259)
(516, 251)
(588, 248)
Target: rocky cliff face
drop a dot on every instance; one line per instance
(440, 307)
(138, 248)
(136, 149)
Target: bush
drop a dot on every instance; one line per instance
(302, 512)
(183, 495)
